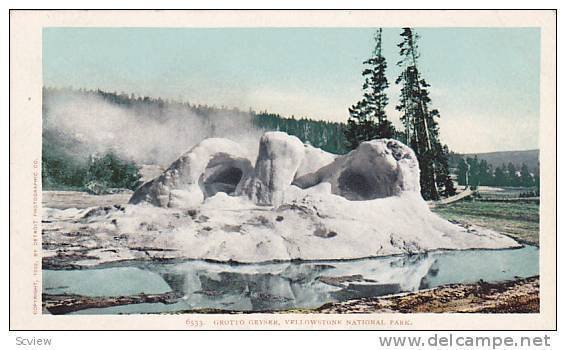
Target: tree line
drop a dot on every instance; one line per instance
(98, 174)
(474, 172)
(328, 136)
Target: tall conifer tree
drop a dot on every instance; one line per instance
(368, 119)
(420, 126)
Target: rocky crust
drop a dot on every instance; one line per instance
(278, 160)
(376, 169)
(212, 166)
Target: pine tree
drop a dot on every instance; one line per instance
(512, 175)
(474, 175)
(500, 178)
(483, 173)
(368, 119)
(526, 177)
(463, 172)
(443, 171)
(421, 128)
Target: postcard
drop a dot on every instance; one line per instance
(337, 170)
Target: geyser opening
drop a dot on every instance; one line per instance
(225, 180)
(355, 186)
(222, 174)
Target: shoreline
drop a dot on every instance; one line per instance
(516, 296)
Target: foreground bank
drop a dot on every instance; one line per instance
(517, 296)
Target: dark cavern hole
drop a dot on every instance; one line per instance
(355, 186)
(223, 180)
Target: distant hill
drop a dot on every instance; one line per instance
(529, 157)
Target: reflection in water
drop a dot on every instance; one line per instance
(305, 285)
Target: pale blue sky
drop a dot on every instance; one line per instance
(485, 82)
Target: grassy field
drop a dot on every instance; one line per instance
(519, 220)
